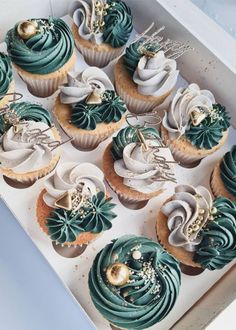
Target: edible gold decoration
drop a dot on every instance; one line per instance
(117, 274)
(27, 29)
(64, 201)
(136, 255)
(213, 210)
(197, 116)
(94, 98)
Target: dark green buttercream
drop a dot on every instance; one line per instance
(45, 52)
(27, 111)
(65, 226)
(218, 245)
(87, 116)
(228, 171)
(128, 135)
(209, 132)
(118, 24)
(5, 74)
(148, 296)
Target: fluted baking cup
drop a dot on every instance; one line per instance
(4, 101)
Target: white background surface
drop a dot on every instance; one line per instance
(74, 272)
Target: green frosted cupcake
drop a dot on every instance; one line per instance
(134, 282)
(6, 79)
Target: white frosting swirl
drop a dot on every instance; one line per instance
(187, 213)
(185, 101)
(156, 75)
(139, 168)
(21, 152)
(80, 86)
(71, 176)
(83, 14)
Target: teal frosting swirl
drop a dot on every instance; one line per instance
(218, 245)
(129, 135)
(94, 217)
(118, 24)
(209, 132)
(87, 116)
(26, 111)
(6, 76)
(228, 171)
(46, 51)
(151, 291)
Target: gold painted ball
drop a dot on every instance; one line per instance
(117, 274)
(27, 29)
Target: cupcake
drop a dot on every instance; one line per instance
(42, 51)
(28, 151)
(135, 170)
(199, 232)
(134, 282)
(223, 179)
(195, 125)
(6, 80)
(88, 109)
(101, 29)
(147, 73)
(73, 208)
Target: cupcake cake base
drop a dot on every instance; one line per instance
(185, 153)
(217, 185)
(130, 198)
(128, 91)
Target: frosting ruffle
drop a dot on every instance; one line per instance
(6, 75)
(228, 171)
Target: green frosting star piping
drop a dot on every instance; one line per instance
(228, 171)
(6, 76)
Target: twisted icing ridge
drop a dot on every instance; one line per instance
(151, 291)
(93, 216)
(6, 76)
(129, 135)
(228, 171)
(69, 176)
(139, 168)
(117, 25)
(26, 111)
(187, 213)
(209, 132)
(22, 152)
(45, 52)
(83, 84)
(218, 246)
(87, 116)
(156, 75)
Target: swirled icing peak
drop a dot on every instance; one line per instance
(46, 51)
(143, 170)
(94, 215)
(78, 88)
(26, 111)
(187, 212)
(155, 75)
(218, 245)
(228, 171)
(70, 176)
(151, 289)
(102, 21)
(6, 76)
(24, 150)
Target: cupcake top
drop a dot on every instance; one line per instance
(103, 21)
(134, 282)
(228, 171)
(24, 111)
(40, 46)
(195, 115)
(204, 227)
(92, 99)
(27, 147)
(77, 194)
(6, 76)
(145, 165)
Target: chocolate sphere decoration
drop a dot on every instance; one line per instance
(27, 29)
(117, 274)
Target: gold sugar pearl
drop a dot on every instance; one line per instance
(27, 29)
(117, 274)
(201, 211)
(213, 210)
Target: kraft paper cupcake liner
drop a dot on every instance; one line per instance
(95, 55)
(46, 85)
(31, 177)
(4, 101)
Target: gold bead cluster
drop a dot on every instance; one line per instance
(100, 11)
(196, 226)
